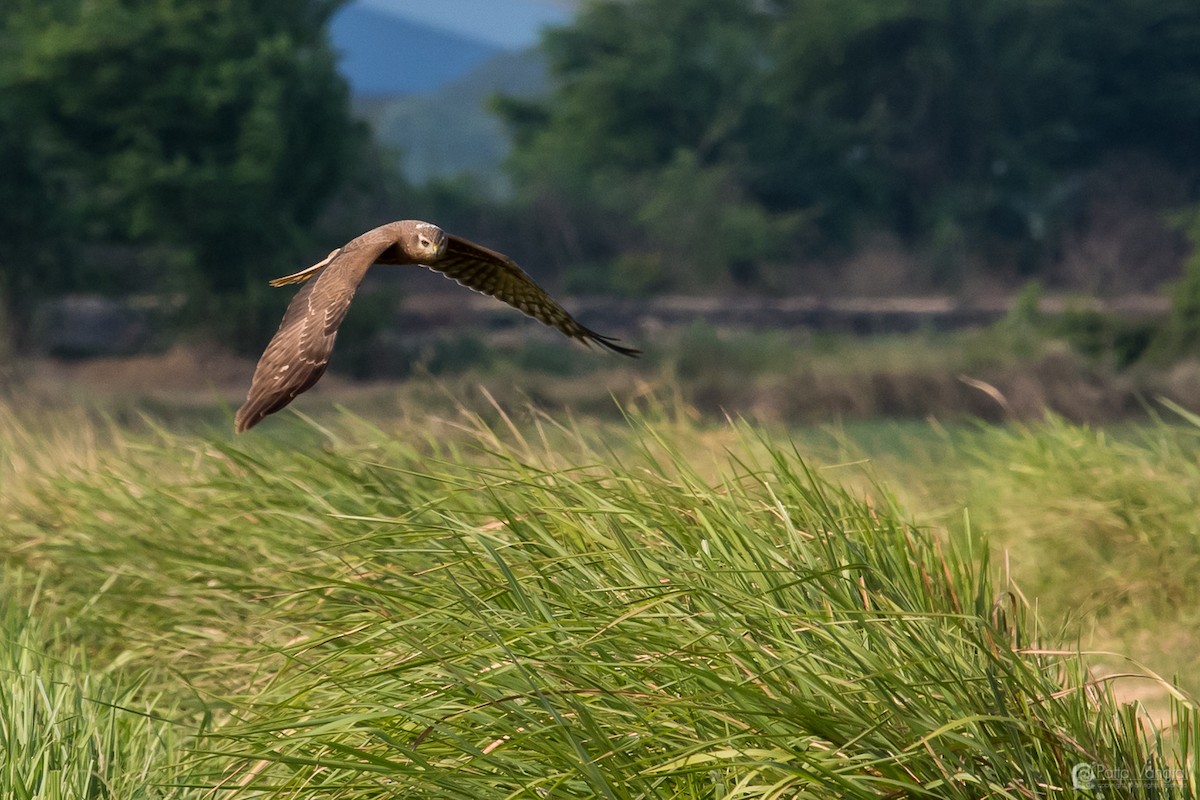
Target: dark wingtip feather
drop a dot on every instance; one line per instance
(611, 344)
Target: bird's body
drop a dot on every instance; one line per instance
(298, 354)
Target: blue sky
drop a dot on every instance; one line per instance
(511, 24)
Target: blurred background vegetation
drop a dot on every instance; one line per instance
(188, 151)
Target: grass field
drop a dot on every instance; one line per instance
(525, 605)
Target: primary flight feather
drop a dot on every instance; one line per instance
(297, 355)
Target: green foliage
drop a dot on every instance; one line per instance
(1098, 335)
(909, 109)
(1181, 336)
(958, 125)
(1027, 309)
(631, 98)
(639, 142)
(703, 352)
(245, 320)
(631, 274)
(212, 131)
(30, 221)
(549, 358)
(705, 228)
(690, 226)
(1023, 329)
(373, 311)
(456, 354)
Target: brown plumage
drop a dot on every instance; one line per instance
(297, 355)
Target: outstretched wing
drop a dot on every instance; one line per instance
(297, 355)
(497, 275)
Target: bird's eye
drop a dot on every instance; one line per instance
(424, 242)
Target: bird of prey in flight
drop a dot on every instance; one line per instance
(297, 355)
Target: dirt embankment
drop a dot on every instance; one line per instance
(809, 388)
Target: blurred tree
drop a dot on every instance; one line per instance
(1141, 63)
(652, 98)
(904, 110)
(30, 221)
(953, 123)
(175, 144)
(704, 227)
(642, 80)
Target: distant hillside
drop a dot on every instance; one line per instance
(451, 131)
(384, 54)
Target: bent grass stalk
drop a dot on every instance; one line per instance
(544, 609)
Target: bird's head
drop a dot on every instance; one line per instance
(427, 241)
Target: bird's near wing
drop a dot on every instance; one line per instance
(297, 355)
(497, 275)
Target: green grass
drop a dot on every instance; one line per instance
(1098, 526)
(533, 608)
(71, 731)
(1103, 527)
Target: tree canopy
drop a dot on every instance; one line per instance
(165, 144)
(196, 144)
(818, 119)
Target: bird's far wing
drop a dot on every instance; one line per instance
(304, 274)
(297, 355)
(497, 275)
